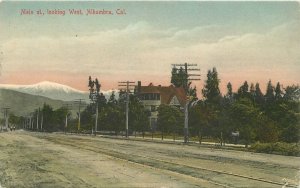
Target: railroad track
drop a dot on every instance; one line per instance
(197, 173)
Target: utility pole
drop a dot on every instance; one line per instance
(37, 119)
(127, 84)
(6, 116)
(189, 98)
(67, 106)
(32, 126)
(29, 121)
(42, 120)
(78, 101)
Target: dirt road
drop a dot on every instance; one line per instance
(57, 160)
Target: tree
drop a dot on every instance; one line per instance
(59, 118)
(252, 92)
(269, 93)
(14, 120)
(138, 115)
(292, 93)
(229, 94)
(48, 117)
(87, 117)
(201, 118)
(170, 119)
(243, 113)
(112, 99)
(243, 91)
(278, 92)
(211, 91)
(96, 98)
(258, 97)
(179, 78)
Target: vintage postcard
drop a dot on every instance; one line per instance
(149, 94)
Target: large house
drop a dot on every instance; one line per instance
(152, 96)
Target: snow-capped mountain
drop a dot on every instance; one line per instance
(52, 90)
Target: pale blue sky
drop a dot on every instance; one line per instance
(236, 17)
(254, 41)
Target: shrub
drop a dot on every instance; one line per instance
(281, 148)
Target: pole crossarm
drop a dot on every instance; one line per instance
(128, 85)
(130, 82)
(188, 64)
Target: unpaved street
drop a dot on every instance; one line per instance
(58, 160)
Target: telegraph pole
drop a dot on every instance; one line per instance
(127, 84)
(37, 119)
(29, 121)
(66, 122)
(5, 112)
(79, 105)
(42, 120)
(188, 97)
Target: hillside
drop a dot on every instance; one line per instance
(50, 90)
(21, 103)
(54, 91)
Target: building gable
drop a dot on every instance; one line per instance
(174, 101)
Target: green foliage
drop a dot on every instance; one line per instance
(138, 116)
(170, 119)
(53, 120)
(258, 96)
(112, 114)
(282, 148)
(180, 78)
(229, 94)
(203, 119)
(267, 118)
(292, 93)
(87, 118)
(15, 120)
(211, 91)
(270, 93)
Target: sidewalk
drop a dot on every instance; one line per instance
(177, 141)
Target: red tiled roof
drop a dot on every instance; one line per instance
(166, 93)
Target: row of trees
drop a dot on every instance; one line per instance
(266, 117)
(42, 119)
(112, 114)
(270, 117)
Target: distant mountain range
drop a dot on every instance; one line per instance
(22, 104)
(23, 99)
(53, 91)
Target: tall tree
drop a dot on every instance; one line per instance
(252, 91)
(259, 96)
(179, 78)
(243, 91)
(229, 93)
(278, 92)
(211, 91)
(138, 115)
(292, 93)
(269, 93)
(170, 119)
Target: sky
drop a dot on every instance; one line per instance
(253, 41)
